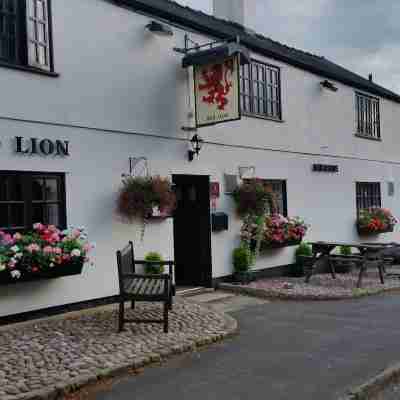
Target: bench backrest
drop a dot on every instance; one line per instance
(125, 262)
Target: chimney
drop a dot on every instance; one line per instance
(370, 77)
(239, 11)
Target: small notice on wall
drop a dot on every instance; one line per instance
(217, 92)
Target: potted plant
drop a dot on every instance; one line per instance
(241, 259)
(44, 253)
(303, 255)
(145, 197)
(251, 197)
(375, 220)
(342, 265)
(152, 268)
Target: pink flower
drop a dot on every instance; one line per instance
(38, 227)
(17, 236)
(47, 250)
(32, 248)
(57, 250)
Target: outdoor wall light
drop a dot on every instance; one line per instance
(159, 29)
(329, 85)
(197, 143)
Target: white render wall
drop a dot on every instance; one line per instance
(118, 78)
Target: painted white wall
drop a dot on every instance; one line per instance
(114, 76)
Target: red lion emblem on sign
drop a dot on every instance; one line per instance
(218, 83)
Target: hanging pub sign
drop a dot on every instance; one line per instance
(216, 80)
(216, 89)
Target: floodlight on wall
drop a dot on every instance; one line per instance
(159, 29)
(329, 85)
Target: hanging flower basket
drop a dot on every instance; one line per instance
(251, 198)
(44, 253)
(375, 221)
(146, 198)
(277, 232)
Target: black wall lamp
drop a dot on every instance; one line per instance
(159, 29)
(197, 143)
(329, 85)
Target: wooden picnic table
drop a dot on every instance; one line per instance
(321, 252)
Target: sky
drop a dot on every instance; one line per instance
(361, 35)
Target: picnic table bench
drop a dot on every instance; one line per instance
(143, 287)
(370, 257)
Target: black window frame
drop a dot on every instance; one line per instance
(368, 195)
(269, 90)
(27, 178)
(26, 39)
(368, 116)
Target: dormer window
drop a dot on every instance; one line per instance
(25, 33)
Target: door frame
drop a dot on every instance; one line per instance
(206, 235)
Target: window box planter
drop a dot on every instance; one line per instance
(277, 245)
(364, 230)
(57, 272)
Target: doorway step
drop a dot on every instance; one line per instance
(189, 291)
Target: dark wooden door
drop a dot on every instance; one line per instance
(192, 231)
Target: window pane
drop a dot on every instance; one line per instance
(37, 213)
(4, 216)
(15, 189)
(51, 189)
(42, 33)
(51, 214)
(17, 215)
(37, 190)
(3, 189)
(42, 59)
(41, 10)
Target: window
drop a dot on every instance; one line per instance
(27, 198)
(368, 194)
(367, 116)
(25, 33)
(278, 188)
(260, 90)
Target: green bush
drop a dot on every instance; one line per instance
(153, 269)
(304, 249)
(241, 259)
(345, 250)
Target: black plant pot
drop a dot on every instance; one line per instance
(244, 278)
(56, 272)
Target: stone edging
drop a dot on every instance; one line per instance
(57, 391)
(272, 294)
(374, 386)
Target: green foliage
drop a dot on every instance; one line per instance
(345, 250)
(304, 249)
(241, 258)
(154, 269)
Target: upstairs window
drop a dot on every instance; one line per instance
(368, 195)
(25, 33)
(260, 89)
(27, 198)
(367, 116)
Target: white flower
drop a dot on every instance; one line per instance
(18, 255)
(15, 249)
(16, 274)
(2, 267)
(51, 265)
(76, 253)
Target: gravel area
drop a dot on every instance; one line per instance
(321, 287)
(43, 360)
(392, 392)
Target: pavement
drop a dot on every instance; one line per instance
(284, 350)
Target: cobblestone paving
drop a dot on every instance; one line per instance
(323, 287)
(46, 357)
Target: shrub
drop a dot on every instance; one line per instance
(345, 250)
(241, 259)
(304, 249)
(154, 269)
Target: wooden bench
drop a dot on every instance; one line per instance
(142, 287)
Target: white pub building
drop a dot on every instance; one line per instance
(94, 89)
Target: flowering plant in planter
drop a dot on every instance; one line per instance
(251, 197)
(376, 220)
(273, 231)
(45, 252)
(140, 197)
